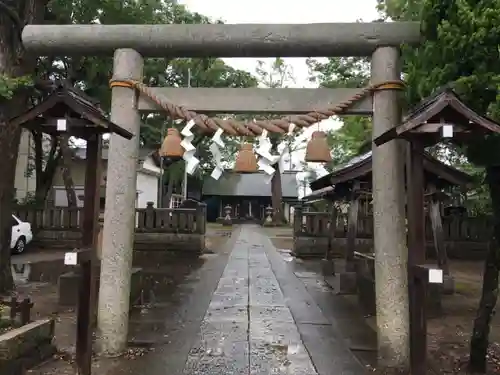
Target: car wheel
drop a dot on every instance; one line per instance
(20, 245)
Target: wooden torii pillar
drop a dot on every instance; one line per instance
(381, 41)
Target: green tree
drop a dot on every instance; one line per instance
(91, 74)
(461, 49)
(354, 136)
(15, 67)
(278, 75)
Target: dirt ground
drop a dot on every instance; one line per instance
(45, 298)
(448, 335)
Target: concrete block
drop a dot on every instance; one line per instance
(69, 281)
(328, 267)
(346, 283)
(448, 286)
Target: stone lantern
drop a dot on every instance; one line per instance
(227, 215)
(269, 216)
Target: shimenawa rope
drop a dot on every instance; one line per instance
(253, 128)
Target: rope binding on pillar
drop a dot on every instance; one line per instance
(255, 127)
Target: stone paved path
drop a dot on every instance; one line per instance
(252, 325)
(245, 311)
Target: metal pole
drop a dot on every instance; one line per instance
(184, 181)
(160, 190)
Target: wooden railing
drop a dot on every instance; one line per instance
(148, 220)
(455, 228)
(171, 220)
(55, 218)
(317, 224)
(467, 228)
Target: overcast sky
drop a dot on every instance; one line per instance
(286, 11)
(283, 11)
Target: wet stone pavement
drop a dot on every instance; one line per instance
(247, 309)
(249, 326)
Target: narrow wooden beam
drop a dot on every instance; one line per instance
(352, 227)
(415, 203)
(437, 231)
(88, 282)
(247, 100)
(221, 40)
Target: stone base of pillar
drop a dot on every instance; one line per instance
(345, 283)
(226, 221)
(448, 285)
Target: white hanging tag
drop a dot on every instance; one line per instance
(71, 258)
(447, 131)
(435, 276)
(61, 125)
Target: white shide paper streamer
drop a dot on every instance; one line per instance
(192, 161)
(215, 146)
(266, 159)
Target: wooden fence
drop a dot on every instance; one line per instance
(455, 228)
(54, 218)
(148, 220)
(317, 224)
(171, 220)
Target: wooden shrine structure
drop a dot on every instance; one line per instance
(349, 189)
(65, 110)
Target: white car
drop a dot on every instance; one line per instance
(21, 235)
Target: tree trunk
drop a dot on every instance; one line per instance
(170, 191)
(277, 196)
(276, 188)
(13, 63)
(9, 144)
(69, 185)
(45, 174)
(480, 333)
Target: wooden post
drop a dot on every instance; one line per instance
(352, 228)
(415, 202)
(297, 220)
(391, 276)
(422, 276)
(149, 214)
(437, 231)
(119, 217)
(439, 242)
(328, 264)
(416, 246)
(201, 218)
(88, 279)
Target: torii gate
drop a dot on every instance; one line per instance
(131, 43)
